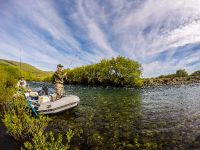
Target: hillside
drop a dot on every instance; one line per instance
(28, 71)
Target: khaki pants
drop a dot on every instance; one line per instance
(59, 91)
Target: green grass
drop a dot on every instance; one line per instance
(24, 66)
(18, 118)
(23, 126)
(8, 80)
(30, 72)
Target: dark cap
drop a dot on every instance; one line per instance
(59, 65)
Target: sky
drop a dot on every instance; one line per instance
(162, 35)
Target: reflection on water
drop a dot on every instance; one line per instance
(116, 118)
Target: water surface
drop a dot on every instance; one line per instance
(119, 118)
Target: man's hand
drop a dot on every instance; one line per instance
(65, 74)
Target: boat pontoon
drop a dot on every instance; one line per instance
(46, 104)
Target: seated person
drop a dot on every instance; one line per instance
(21, 82)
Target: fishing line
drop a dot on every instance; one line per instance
(20, 62)
(72, 60)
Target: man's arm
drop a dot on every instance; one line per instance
(58, 75)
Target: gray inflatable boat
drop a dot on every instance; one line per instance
(47, 104)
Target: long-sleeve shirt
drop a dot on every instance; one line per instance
(21, 83)
(59, 77)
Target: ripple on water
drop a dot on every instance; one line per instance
(115, 117)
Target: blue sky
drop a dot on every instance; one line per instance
(161, 35)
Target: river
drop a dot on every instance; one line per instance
(165, 117)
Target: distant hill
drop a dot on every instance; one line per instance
(30, 72)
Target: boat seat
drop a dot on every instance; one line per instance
(33, 94)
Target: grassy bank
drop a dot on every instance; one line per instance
(180, 77)
(25, 128)
(119, 71)
(8, 80)
(30, 130)
(29, 72)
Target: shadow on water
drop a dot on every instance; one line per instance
(117, 118)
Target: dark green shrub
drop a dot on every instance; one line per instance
(181, 73)
(196, 73)
(119, 71)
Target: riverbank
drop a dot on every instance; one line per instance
(18, 127)
(115, 72)
(171, 81)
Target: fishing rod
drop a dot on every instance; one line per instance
(72, 61)
(20, 62)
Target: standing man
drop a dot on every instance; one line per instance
(59, 81)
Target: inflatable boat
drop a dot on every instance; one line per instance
(47, 104)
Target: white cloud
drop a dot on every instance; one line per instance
(44, 15)
(157, 26)
(168, 22)
(141, 30)
(157, 68)
(36, 49)
(89, 24)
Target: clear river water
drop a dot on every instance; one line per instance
(165, 117)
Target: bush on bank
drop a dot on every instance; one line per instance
(196, 73)
(179, 73)
(119, 71)
(23, 126)
(19, 121)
